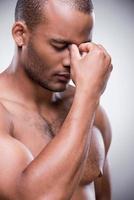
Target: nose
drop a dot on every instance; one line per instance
(66, 58)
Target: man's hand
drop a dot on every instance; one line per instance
(91, 70)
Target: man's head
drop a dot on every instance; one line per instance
(32, 11)
(43, 31)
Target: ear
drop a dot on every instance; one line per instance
(20, 33)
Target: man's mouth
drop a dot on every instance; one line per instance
(63, 76)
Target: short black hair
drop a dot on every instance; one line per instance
(30, 11)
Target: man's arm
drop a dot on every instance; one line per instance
(103, 184)
(56, 171)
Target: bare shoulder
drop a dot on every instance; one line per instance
(103, 124)
(5, 119)
(14, 156)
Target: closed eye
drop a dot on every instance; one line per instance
(60, 48)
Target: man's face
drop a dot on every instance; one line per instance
(47, 55)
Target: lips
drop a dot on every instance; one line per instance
(63, 76)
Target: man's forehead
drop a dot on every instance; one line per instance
(57, 9)
(62, 20)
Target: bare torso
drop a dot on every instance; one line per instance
(35, 128)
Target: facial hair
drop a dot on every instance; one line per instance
(38, 71)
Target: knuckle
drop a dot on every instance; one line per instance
(109, 58)
(100, 52)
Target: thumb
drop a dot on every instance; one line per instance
(74, 53)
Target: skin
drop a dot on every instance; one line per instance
(48, 150)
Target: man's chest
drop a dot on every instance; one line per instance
(36, 132)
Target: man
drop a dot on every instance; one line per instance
(54, 138)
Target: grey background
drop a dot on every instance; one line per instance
(115, 30)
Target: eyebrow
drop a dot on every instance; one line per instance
(63, 41)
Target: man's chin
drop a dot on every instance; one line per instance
(58, 88)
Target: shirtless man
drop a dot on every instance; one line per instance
(54, 138)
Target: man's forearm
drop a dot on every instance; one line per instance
(54, 173)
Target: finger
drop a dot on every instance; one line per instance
(101, 47)
(109, 60)
(74, 52)
(83, 54)
(86, 47)
(105, 51)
